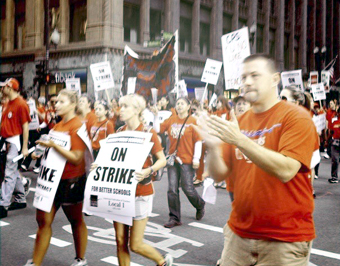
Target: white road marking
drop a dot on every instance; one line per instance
(3, 223)
(207, 227)
(114, 260)
(32, 189)
(180, 264)
(326, 254)
(153, 215)
(55, 241)
(311, 264)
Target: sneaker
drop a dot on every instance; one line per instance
(200, 213)
(3, 212)
(218, 263)
(324, 155)
(17, 206)
(172, 223)
(316, 177)
(36, 170)
(23, 167)
(79, 262)
(168, 260)
(224, 185)
(29, 263)
(333, 180)
(26, 182)
(198, 183)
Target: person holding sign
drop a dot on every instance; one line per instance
(188, 153)
(131, 108)
(267, 153)
(101, 128)
(85, 112)
(70, 192)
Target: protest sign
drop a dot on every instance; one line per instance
(102, 76)
(318, 91)
(235, 48)
(213, 100)
(182, 89)
(111, 187)
(52, 168)
(34, 124)
(88, 155)
(209, 191)
(131, 85)
(314, 77)
(211, 71)
(73, 84)
(325, 79)
(199, 93)
(319, 122)
(163, 115)
(292, 78)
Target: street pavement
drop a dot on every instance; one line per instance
(194, 243)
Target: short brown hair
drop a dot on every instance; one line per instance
(270, 61)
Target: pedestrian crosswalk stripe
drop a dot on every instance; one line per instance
(114, 261)
(207, 227)
(326, 254)
(153, 215)
(3, 223)
(32, 189)
(55, 241)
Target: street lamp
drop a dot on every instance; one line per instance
(252, 31)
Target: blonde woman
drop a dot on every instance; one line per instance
(131, 108)
(70, 193)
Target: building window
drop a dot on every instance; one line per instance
(287, 6)
(19, 24)
(286, 51)
(260, 5)
(272, 7)
(78, 20)
(227, 21)
(272, 43)
(204, 39)
(156, 25)
(3, 24)
(259, 39)
(185, 35)
(131, 22)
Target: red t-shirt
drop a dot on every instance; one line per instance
(329, 115)
(147, 189)
(264, 207)
(14, 115)
(71, 127)
(100, 130)
(189, 137)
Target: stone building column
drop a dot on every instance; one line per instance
(64, 27)
(337, 37)
(321, 13)
(302, 15)
(330, 31)
(312, 32)
(195, 34)
(252, 20)
(94, 21)
(145, 20)
(172, 15)
(106, 20)
(117, 21)
(236, 14)
(291, 40)
(34, 23)
(266, 46)
(9, 34)
(216, 29)
(280, 33)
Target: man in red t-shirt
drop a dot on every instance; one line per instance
(266, 153)
(15, 119)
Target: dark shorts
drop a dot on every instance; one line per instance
(70, 191)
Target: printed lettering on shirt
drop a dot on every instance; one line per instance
(176, 128)
(10, 115)
(260, 141)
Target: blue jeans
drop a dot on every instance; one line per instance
(182, 175)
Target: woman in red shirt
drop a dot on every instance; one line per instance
(70, 192)
(101, 128)
(131, 108)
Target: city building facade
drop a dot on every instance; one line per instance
(92, 31)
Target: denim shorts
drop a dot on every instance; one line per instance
(70, 191)
(143, 207)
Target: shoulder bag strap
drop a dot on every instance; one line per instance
(179, 135)
(98, 129)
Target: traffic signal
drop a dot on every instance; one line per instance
(40, 70)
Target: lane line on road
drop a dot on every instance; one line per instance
(207, 227)
(3, 223)
(114, 260)
(153, 215)
(55, 241)
(325, 253)
(220, 230)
